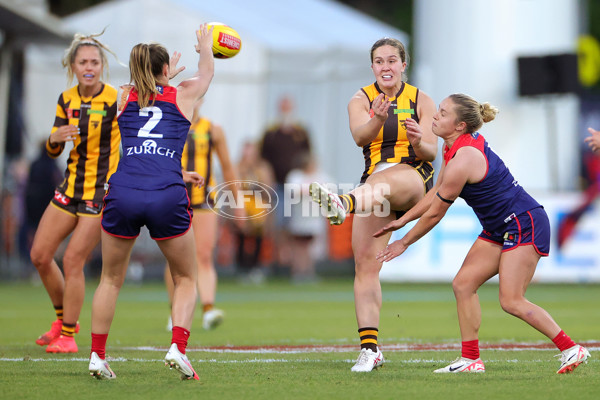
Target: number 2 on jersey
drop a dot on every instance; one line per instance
(152, 122)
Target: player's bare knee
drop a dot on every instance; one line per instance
(511, 305)
(113, 280)
(72, 263)
(42, 260)
(185, 282)
(204, 260)
(458, 286)
(367, 270)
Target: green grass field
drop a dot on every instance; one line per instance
(273, 344)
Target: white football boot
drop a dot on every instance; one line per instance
(368, 360)
(462, 364)
(175, 360)
(99, 368)
(212, 318)
(571, 358)
(331, 203)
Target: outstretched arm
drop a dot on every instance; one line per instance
(464, 167)
(191, 90)
(430, 219)
(416, 211)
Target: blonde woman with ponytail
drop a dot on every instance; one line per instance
(148, 189)
(86, 117)
(516, 231)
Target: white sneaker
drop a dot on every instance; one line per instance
(571, 358)
(169, 324)
(368, 360)
(175, 360)
(99, 368)
(331, 203)
(462, 364)
(213, 318)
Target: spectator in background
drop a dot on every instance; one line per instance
(305, 223)
(281, 145)
(203, 140)
(252, 168)
(44, 175)
(11, 208)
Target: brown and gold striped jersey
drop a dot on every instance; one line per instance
(95, 153)
(391, 144)
(197, 156)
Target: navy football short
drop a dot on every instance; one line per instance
(529, 228)
(166, 212)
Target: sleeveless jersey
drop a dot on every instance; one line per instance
(152, 139)
(95, 152)
(391, 144)
(498, 197)
(197, 156)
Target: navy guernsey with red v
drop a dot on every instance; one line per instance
(498, 197)
(152, 139)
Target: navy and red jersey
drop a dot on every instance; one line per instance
(498, 197)
(152, 139)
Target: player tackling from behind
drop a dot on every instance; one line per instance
(148, 189)
(516, 231)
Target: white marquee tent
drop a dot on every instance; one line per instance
(317, 51)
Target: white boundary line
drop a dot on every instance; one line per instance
(346, 349)
(267, 360)
(592, 346)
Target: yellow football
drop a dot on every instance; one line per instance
(226, 41)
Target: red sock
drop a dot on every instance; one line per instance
(470, 349)
(563, 341)
(180, 337)
(99, 344)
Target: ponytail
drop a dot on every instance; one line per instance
(145, 64)
(473, 114)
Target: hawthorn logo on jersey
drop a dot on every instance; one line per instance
(150, 147)
(254, 200)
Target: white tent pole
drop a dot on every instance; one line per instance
(5, 64)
